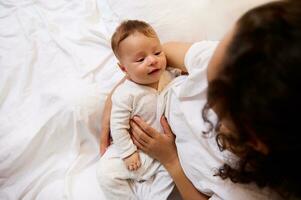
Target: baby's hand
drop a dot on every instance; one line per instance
(132, 162)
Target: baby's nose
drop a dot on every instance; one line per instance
(151, 60)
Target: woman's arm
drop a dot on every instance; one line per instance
(105, 139)
(162, 147)
(185, 187)
(175, 54)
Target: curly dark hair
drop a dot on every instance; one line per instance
(258, 89)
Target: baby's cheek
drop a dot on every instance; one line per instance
(163, 62)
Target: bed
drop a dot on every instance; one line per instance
(56, 69)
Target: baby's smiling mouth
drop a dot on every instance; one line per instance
(153, 71)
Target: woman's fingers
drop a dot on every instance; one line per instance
(139, 134)
(159, 146)
(138, 144)
(146, 128)
(166, 128)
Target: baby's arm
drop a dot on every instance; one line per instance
(122, 108)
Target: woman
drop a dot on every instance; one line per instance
(250, 81)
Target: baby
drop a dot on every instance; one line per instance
(139, 52)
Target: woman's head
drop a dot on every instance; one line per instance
(256, 89)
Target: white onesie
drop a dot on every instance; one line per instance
(116, 181)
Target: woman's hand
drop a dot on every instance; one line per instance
(162, 147)
(159, 146)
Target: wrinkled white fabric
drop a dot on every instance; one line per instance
(55, 72)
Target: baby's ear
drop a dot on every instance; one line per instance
(122, 67)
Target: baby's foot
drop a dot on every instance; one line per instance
(132, 162)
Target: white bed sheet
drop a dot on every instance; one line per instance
(56, 68)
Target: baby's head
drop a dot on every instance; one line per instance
(139, 52)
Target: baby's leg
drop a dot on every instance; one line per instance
(159, 186)
(113, 178)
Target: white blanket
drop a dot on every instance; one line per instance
(56, 69)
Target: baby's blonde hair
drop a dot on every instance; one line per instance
(128, 27)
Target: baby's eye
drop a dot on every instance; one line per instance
(158, 53)
(140, 60)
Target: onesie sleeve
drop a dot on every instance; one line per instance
(119, 123)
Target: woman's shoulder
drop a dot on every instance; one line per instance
(199, 53)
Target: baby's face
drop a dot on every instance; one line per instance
(142, 58)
